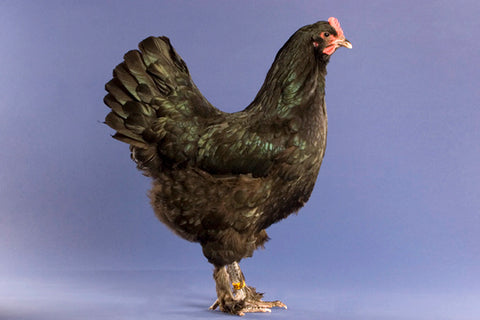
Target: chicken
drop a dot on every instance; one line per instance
(220, 179)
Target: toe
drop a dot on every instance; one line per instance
(253, 309)
(214, 305)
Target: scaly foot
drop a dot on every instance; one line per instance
(254, 303)
(235, 297)
(247, 300)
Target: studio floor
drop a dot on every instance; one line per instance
(186, 294)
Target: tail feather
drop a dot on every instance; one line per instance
(116, 107)
(126, 79)
(137, 68)
(117, 90)
(143, 77)
(161, 52)
(140, 117)
(161, 79)
(150, 94)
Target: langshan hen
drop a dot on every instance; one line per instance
(221, 179)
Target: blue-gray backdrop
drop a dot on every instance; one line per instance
(392, 230)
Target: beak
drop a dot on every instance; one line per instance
(342, 42)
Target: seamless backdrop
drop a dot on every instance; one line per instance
(392, 230)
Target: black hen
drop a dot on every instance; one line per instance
(219, 178)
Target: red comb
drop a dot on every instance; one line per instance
(336, 25)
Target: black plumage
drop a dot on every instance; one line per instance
(219, 178)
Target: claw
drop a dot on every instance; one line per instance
(214, 305)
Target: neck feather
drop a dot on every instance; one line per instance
(295, 79)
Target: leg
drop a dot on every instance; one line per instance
(225, 299)
(238, 280)
(244, 298)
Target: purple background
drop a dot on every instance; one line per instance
(392, 230)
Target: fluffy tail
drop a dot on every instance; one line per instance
(135, 94)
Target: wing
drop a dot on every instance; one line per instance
(235, 146)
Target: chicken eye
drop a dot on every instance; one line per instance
(326, 34)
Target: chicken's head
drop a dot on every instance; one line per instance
(329, 36)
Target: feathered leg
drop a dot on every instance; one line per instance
(225, 299)
(244, 298)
